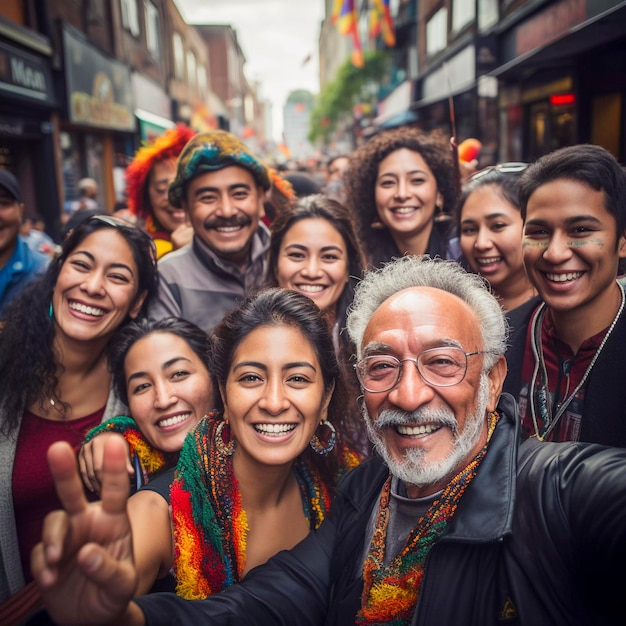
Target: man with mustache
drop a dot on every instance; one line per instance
(455, 525)
(221, 186)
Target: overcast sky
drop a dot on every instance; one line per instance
(276, 36)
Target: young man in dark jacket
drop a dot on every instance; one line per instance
(567, 358)
(451, 526)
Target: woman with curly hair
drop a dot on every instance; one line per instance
(401, 186)
(54, 380)
(148, 179)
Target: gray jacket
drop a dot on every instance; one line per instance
(11, 575)
(195, 284)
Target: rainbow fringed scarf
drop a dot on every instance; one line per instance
(210, 524)
(152, 460)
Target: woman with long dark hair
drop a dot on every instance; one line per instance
(54, 380)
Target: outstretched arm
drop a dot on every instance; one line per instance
(84, 565)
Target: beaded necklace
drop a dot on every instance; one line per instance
(210, 524)
(540, 398)
(390, 593)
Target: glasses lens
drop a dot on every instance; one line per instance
(442, 367)
(512, 167)
(378, 373)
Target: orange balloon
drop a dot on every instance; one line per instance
(469, 149)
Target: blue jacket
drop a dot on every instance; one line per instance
(24, 265)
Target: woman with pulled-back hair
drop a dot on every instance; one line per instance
(161, 371)
(315, 251)
(402, 187)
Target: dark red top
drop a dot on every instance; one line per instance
(34, 495)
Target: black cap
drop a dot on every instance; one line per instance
(9, 182)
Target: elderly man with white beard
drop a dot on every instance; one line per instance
(456, 524)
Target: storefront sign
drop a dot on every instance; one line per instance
(98, 87)
(24, 75)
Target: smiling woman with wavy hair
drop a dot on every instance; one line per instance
(402, 187)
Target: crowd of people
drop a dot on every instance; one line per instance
(389, 396)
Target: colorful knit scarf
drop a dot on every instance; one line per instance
(210, 524)
(390, 593)
(152, 460)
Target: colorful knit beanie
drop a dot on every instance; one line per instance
(167, 146)
(212, 151)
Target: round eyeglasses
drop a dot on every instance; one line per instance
(440, 367)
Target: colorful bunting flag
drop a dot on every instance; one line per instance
(381, 7)
(345, 16)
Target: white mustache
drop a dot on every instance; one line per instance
(388, 418)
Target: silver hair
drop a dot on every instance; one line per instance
(422, 271)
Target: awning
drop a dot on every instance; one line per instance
(598, 30)
(400, 119)
(152, 125)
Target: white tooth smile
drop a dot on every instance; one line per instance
(404, 209)
(87, 310)
(228, 229)
(416, 431)
(274, 430)
(170, 421)
(311, 288)
(563, 278)
(489, 261)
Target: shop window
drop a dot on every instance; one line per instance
(130, 17)
(152, 29)
(437, 31)
(179, 56)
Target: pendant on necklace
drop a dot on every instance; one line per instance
(51, 401)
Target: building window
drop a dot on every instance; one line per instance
(152, 29)
(437, 31)
(463, 12)
(179, 56)
(202, 83)
(487, 14)
(191, 69)
(130, 17)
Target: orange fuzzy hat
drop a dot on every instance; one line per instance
(167, 146)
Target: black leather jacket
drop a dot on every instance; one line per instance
(535, 540)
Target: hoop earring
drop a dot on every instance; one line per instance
(225, 449)
(317, 445)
